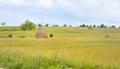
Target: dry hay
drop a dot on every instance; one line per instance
(41, 33)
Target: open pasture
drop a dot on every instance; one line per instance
(80, 47)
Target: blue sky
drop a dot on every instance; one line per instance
(70, 12)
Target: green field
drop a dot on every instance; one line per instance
(70, 48)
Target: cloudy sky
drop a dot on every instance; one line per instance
(70, 12)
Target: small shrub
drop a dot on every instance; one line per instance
(10, 35)
(46, 25)
(51, 35)
(39, 25)
(64, 25)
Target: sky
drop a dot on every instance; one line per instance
(60, 12)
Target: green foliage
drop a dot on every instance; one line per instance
(70, 42)
(94, 26)
(28, 26)
(51, 35)
(46, 25)
(70, 25)
(103, 26)
(83, 25)
(65, 25)
(40, 25)
(10, 35)
(55, 25)
(113, 26)
(9, 28)
(3, 23)
(17, 60)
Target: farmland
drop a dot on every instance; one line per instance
(70, 48)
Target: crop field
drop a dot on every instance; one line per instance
(70, 48)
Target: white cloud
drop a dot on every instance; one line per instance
(91, 10)
(45, 3)
(17, 2)
(35, 3)
(98, 9)
(13, 2)
(65, 4)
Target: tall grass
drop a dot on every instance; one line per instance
(18, 60)
(71, 48)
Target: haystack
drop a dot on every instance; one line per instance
(41, 33)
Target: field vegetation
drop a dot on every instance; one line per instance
(69, 48)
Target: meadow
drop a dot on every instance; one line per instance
(70, 48)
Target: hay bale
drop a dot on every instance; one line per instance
(41, 33)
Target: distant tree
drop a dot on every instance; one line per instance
(55, 25)
(40, 25)
(103, 26)
(64, 25)
(46, 25)
(94, 26)
(70, 25)
(80, 26)
(90, 27)
(98, 26)
(87, 26)
(113, 26)
(3, 23)
(83, 25)
(28, 26)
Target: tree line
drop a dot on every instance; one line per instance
(29, 25)
(82, 25)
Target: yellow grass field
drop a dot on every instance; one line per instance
(73, 44)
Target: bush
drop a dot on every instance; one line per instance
(51, 35)
(64, 25)
(28, 26)
(39, 25)
(83, 25)
(70, 25)
(112, 26)
(46, 25)
(103, 26)
(10, 35)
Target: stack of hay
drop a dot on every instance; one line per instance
(41, 33)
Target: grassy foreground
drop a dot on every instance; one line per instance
(71, 48)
